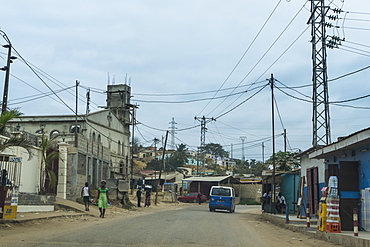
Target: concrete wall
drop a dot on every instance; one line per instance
(30, 169)
(250, 191)
(308, 163)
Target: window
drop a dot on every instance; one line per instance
(54, 134)
(221, 192)
(73, 127)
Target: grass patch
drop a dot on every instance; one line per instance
(249, 201)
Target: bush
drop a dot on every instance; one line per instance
(249, 201)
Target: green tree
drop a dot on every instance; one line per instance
(284, 161)
(19, 141)
(216, 149)
(257, 168)
(154, 165)
(178, 158)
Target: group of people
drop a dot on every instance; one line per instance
(103, 197)
(280, 201)
(147, 197)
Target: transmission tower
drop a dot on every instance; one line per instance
(203, 120)
(243, 139)
(321, 117)
(172, 133)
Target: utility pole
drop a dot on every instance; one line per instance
(156, 141)
(173, 132)
(263, 152)
(273, 138)
(321, 117)
(88, 102)
(203, 120)
(76, 126)
(284, 140)
(231, 152)
(160, 170)
(132, 147)
(6, 68)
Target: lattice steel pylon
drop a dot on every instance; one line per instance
(320, 97)
(203, 120)
(173, 133)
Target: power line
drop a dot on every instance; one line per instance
(241, 103)
(237, 64)
(281, 55)
(191, 100)
(191, 93)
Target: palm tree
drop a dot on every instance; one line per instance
(49, 154)
(6, 116)
(16, 141)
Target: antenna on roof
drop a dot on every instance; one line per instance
(129, 81)
(108, 79)
(126, 78)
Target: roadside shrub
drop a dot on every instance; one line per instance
(249, 201)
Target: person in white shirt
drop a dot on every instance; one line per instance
(280, 203)
(85, 193)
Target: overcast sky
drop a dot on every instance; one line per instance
(177, 55)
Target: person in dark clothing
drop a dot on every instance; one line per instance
(138, 195)
(147, 198)
(199, 198)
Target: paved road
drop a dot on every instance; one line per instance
(188, 226)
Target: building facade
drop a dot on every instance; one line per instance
(98, 143)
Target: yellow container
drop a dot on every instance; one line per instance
(10, 212)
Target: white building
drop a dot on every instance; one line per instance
(99, 150)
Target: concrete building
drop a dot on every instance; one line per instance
(96, 145)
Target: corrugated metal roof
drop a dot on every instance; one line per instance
(207, 179)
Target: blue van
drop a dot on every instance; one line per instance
(221, 197)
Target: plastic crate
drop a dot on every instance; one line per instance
(333, 227)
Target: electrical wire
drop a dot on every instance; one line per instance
(241, 103)
(242, 57)
(190, 100)
(190, 93)
(275, 41)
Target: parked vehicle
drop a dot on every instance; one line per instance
(221, 197)
(191, 197)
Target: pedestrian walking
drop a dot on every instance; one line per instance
(147, 197)
(85, 193)
(138, 195)
(103, 198)
(199, 196)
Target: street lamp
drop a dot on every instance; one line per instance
(42, 127)
(7, 69)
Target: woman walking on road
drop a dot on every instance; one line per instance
(147, 198)
(103, 198)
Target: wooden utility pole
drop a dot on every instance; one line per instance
(76, 126)
(160, 170)
(273, 141)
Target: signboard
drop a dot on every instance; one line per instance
(10, 212)
(16, 159)
(14, 200)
